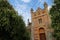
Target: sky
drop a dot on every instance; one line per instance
(23, 7)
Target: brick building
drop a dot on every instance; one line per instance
(40, 27)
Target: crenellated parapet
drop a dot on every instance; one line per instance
(39, 11)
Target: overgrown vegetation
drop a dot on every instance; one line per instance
(12, 26)
(55, 16)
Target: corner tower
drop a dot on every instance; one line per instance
(40, 28)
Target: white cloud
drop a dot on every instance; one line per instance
(21, 8)
(26, 1)
(40, 0)
(49, 7)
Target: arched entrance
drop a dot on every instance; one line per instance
(42, 34)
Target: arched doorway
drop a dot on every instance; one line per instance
(42, 34)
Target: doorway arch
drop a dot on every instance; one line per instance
(42, 34)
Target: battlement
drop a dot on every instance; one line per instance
(39, 11)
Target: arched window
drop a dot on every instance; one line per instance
(40, 21)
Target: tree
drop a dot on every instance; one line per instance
(12, 26)
(55, 16)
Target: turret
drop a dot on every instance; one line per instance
(45, 6)
(32, 10)
(29, 22)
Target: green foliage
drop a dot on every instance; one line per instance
(55, 16)
(12, 26)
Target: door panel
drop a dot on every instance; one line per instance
(42, 36)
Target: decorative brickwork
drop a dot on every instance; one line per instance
(40, 27)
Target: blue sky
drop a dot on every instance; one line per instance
(23, 6)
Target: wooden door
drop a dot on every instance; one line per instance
(42, 34)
